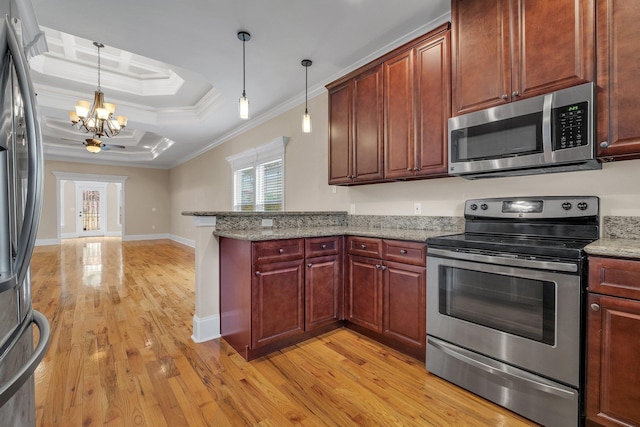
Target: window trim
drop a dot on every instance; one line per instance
(255, 156)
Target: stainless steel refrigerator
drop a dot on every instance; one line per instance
(21, 164)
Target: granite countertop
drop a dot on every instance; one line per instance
(256, 214)
(293, 233)
(613, 247)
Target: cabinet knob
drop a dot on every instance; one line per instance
(505, 96)
(309, 265)
(515, 93)
(604, 144)
(416, 169)
(281, 250)
(378, 267)
(383, 267)
(257, 273)
(595, 307)
(363, 246)
(403, 251)
(324, 246)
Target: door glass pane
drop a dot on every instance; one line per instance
(516, 305)
(91, 210)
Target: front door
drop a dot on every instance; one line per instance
(90, 205)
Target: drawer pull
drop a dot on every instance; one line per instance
(363, 246)
(403, 251)
(595, 307)
(324, 246)
(281, 250)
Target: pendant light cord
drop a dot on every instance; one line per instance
(99, 85)
(244, 70)
(306, 88)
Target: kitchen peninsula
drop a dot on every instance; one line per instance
(267, 226)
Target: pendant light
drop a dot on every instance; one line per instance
(306, 118)
(243, 102)
(97, 117)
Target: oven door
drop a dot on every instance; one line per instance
(522, 312)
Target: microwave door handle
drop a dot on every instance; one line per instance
(546, 128)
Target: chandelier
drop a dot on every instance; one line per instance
(97, 117)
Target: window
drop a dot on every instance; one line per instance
(258, 177)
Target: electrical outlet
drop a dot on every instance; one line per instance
(267, 222)
(352, 208)
(334, 189)
(417, 208)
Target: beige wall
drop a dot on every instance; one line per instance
(145, 189)
(112, 209)
(204, 183)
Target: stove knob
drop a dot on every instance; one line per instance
(583, 206)
(566, 206)
(484, 207)
(473, 206)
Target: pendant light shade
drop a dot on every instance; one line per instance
(243, 102)
(306, 118)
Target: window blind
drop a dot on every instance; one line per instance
(244, 190)
(270, 186)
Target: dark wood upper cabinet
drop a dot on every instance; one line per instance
(367, 126)
(340, 134)
(355, 129)
(618, 69)
(417, 93)
(388, 119)
(507, 50)
(433, 104)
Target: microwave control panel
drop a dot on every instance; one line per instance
(570, 126)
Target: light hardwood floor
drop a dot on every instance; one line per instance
(121, 354)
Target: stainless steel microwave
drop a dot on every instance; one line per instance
(547, 133)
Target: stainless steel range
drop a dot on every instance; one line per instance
(505, 315)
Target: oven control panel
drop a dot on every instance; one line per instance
(533, 207)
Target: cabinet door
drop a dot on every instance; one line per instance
(618, 62)
(553, 46)
(433, 105)
(340, 134)
(367, 125)
(613, 361)
(480, 54)
(399, 138)
(323, 288)
(364, 292)
(277, 301)
(404, 303)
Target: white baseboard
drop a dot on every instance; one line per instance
(205, 329)
(187, 242)
(113, 234)
(146, 236)
(47, 242)
(69, 235)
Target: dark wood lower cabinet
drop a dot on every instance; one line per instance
(404, 311)
(277, 302)
(323, 291)
(364, 292)
(279, 292)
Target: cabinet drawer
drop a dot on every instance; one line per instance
(616, 277)
(322, 246)
(364, 246)
(414, 253)
(278, 250)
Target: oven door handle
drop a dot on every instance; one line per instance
(500, 369)
(504, 260)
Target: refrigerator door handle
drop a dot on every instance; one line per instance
(34, 160)
(26, 371)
